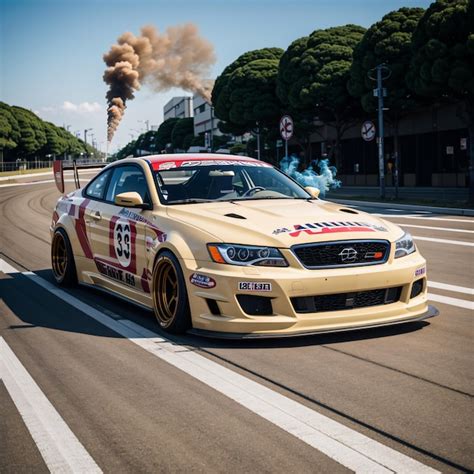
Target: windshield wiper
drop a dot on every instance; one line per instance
(190, 201)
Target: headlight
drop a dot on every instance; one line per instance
(404, 245)
(245, 255)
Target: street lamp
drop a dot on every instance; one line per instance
(85, 134)
(147, 123)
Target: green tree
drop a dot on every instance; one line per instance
(443, 61)
(387, 42)
(183, 128)
(32, 133)
(313, 75)
(9, 128)
(164, 132)
(244, 93)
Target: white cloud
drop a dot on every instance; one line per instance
(82, 108)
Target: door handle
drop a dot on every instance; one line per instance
(96, 216)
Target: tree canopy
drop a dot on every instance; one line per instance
(244, 93)
(24, 135)
(184, 129)
(387, 41)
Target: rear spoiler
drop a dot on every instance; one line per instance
(59, 167)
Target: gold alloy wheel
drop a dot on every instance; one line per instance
(165, 292)
(59, 256)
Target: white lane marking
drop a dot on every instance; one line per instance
(61, 450)
(452, 301)
(346, 446)
(45, 173)
(30, 183)
(444, 241)
(420, 218)
(455, 288)
(444, 229)
(7, 268)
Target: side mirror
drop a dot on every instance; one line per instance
(313, 191)
(130, 199)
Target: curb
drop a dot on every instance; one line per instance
(452, 211)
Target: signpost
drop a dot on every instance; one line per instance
(368, 131)
(286, 130)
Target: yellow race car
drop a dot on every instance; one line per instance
(231, 245)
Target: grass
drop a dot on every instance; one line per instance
(21, 172)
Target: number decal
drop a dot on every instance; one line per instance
(122, 240)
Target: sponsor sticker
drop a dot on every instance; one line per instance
(202, 281)
(420, 271)
(168, 165)
(315, 228)
(254, 286)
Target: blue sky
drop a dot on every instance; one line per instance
(51, 50)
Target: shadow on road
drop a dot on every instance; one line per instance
(37, 307)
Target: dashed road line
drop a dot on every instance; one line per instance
(421, 218)
(444, 241)
(61, 450)
(455, 288)
(451, 301)
(444, 229)
(342, 444)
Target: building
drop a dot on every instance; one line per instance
(204, 120)
(178, 107)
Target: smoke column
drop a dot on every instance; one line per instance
(177, 58)
(324, 181)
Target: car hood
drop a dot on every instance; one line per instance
(283, 223)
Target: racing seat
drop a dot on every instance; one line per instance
(220, 186)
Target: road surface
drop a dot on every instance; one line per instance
(88, 382)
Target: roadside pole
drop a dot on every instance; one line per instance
(286, 130)
(380, 142)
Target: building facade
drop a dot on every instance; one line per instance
(178, 107)
(204, 120)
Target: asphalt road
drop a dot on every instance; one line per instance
(88, 382)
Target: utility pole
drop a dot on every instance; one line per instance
(258, 141)
(382, 72)
(212, 129)
(85, 134)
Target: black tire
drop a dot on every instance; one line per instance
(170, 303)
(62, 259)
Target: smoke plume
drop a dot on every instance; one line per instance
(324, 181)
(177, 58)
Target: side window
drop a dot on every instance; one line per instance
(126, 179)
(96, 187)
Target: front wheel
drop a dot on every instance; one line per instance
(62, 259)
(170, 298)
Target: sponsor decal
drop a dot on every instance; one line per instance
(254, 286)
(185, 164)
(168, 165)
(202, 281)
(420, 271)
(115, 273)
(315, 228)
(134, 216)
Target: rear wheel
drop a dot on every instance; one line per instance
(62, 259)
(170, 298)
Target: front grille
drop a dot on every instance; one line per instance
(341, 301)
(416, 288)
(349, 253)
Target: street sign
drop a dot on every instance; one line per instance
(286, 127)
(368, 131)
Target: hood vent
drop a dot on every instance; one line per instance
(235, 216)
(349, 211)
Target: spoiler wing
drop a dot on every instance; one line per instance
(59, 168)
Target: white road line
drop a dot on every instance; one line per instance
(61, 450)
(444, 229)
(455, 288)
(31, 183)
(451, 301)
(346, 446)
(444, 241)
(421, 218)
(7, 268)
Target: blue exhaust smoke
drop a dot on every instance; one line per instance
(324, 181)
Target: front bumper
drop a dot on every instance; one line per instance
(283, 284)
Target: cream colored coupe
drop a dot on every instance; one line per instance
(231, 245)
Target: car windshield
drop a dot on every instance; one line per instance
(228, 182)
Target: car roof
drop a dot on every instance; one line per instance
(167, 161)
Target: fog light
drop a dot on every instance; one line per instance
(255, 305)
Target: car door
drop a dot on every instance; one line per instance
(118, 234)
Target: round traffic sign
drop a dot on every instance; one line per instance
(368, 131)
(286, 127)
